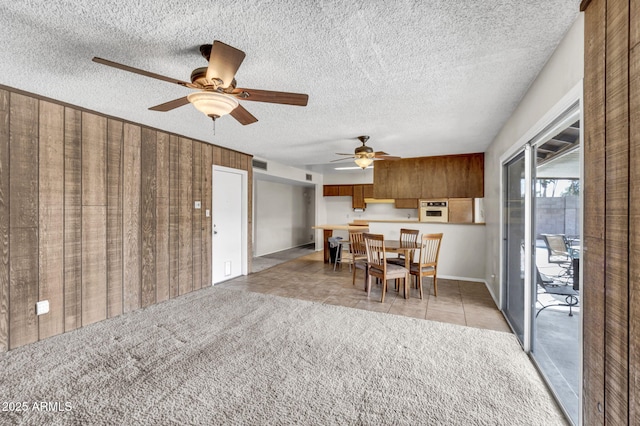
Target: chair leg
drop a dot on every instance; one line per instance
(384, 290)
(367, 285)
(406, 286)
(354, 275)
(435, 286)
(419, 284)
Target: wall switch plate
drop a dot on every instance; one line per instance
(42, 307)
(207, 213)
(198, 204)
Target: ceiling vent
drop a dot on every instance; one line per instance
(257, 164)
(309, 177)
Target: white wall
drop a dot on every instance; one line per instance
(558, 80)
(282, 213)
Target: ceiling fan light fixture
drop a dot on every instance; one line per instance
(363, 162)
(213, 104)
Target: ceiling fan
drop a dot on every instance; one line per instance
(218, 94)
(364, 155)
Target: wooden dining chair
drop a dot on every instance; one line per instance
(406, 236)
(378, 266)
(427, 264)
(358, 252)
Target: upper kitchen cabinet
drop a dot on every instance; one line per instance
(446, 176)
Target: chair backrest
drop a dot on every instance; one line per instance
(375, 251)
(430, 249)
(356, 239)
(408, 236)
(556, 247)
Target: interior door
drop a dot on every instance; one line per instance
(228, 235)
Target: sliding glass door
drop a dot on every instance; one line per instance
(542, 216)
(514, 243)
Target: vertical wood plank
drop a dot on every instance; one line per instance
(249, 169)
(593, 293)
(162, 217)
(23, 286)
(617, 213)
(185, 217)
(217, 155)
(23, 155)
(634, 228)
(94, 161)
(232, 159)
(72, 219)
(51, 217)
(4, 220)
(225, 157)
(131, 218)
(197, 215)
(94, 218)
(148, 216)
(207, 162)
(94, 265)
(23, 222)
(114, 216)
(174, 215)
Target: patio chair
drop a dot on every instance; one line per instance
(549, 286)
(558, 253)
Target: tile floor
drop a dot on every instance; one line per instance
(309, 278)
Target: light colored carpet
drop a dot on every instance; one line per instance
(223, 356)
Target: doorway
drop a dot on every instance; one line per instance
(229, 218)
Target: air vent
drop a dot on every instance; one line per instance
(257, 164)
(309, 177)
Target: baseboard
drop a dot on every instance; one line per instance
(452, 277)
(277, 251)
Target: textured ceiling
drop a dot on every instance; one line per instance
(419, 77)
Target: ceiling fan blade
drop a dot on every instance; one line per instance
(224, 62)
(243, 116)
(286, 98)
(341, 153)
(380, 153)
(168, 106)
(139, 71)
(339, 159)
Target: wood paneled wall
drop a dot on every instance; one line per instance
(97, 216)
(611, 284)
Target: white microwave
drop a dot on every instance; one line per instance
(433, 210)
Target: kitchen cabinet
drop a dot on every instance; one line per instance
(357, 200)
(368, 190)
(345, 190)
(406, 203)
(337, 190)
(330, 190)
(460, 210)
(445, 176)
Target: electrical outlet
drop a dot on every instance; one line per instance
(207, 213)
(198, 204)
(42, 307)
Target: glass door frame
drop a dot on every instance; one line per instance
(528, 245)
